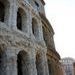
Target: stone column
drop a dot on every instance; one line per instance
(30, 25)
(29, 67)
(11, 15)
(26, 21)
(33, 70)
(45, 64)
(14, 14)
(9, 62)
(32, 64)
(40, 31)
(7, 14)
(42, 66)
(50, 67)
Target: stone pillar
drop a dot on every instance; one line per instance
(37, 29)
(26, 68)
(7, 14)
(50, 67)
(26, 21)
(42, 66)
(33, 70)
(32, 64)
(29, 67)
(46, 64)
(11, 17)
(40, 31)
(30, 25)
(14, 14)
(9, 62)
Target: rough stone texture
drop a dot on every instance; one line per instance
(53, 57)
(23, 49)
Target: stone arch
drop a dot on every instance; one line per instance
(23, 63)
(22, 20)
(4, 10)
(35, 28)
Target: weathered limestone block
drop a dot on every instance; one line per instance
(41, 63)
(13, 14)
(22, 47)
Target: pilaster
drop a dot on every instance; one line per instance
(9, 62)
(13, 14)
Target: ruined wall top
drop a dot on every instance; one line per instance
(36, 4)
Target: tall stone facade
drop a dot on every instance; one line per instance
(53, 57)
(26, 39)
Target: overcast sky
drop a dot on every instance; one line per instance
(61, 14)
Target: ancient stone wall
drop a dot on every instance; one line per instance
(23, 48)
(53, 57)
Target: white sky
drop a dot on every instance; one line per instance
(61, 14)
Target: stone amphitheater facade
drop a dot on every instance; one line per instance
(26, 39)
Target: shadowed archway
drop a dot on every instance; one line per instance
(22, 20)
(23, 63)
(2, 12)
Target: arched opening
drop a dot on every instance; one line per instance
(23, 63)
(35, 28)
(21, 20)
(2, 12)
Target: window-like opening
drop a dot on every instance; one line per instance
(36, 4)
(22, 20)
(19, 64)
(19, 20)
(23, 63)
(2, 12)
(35, 29)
